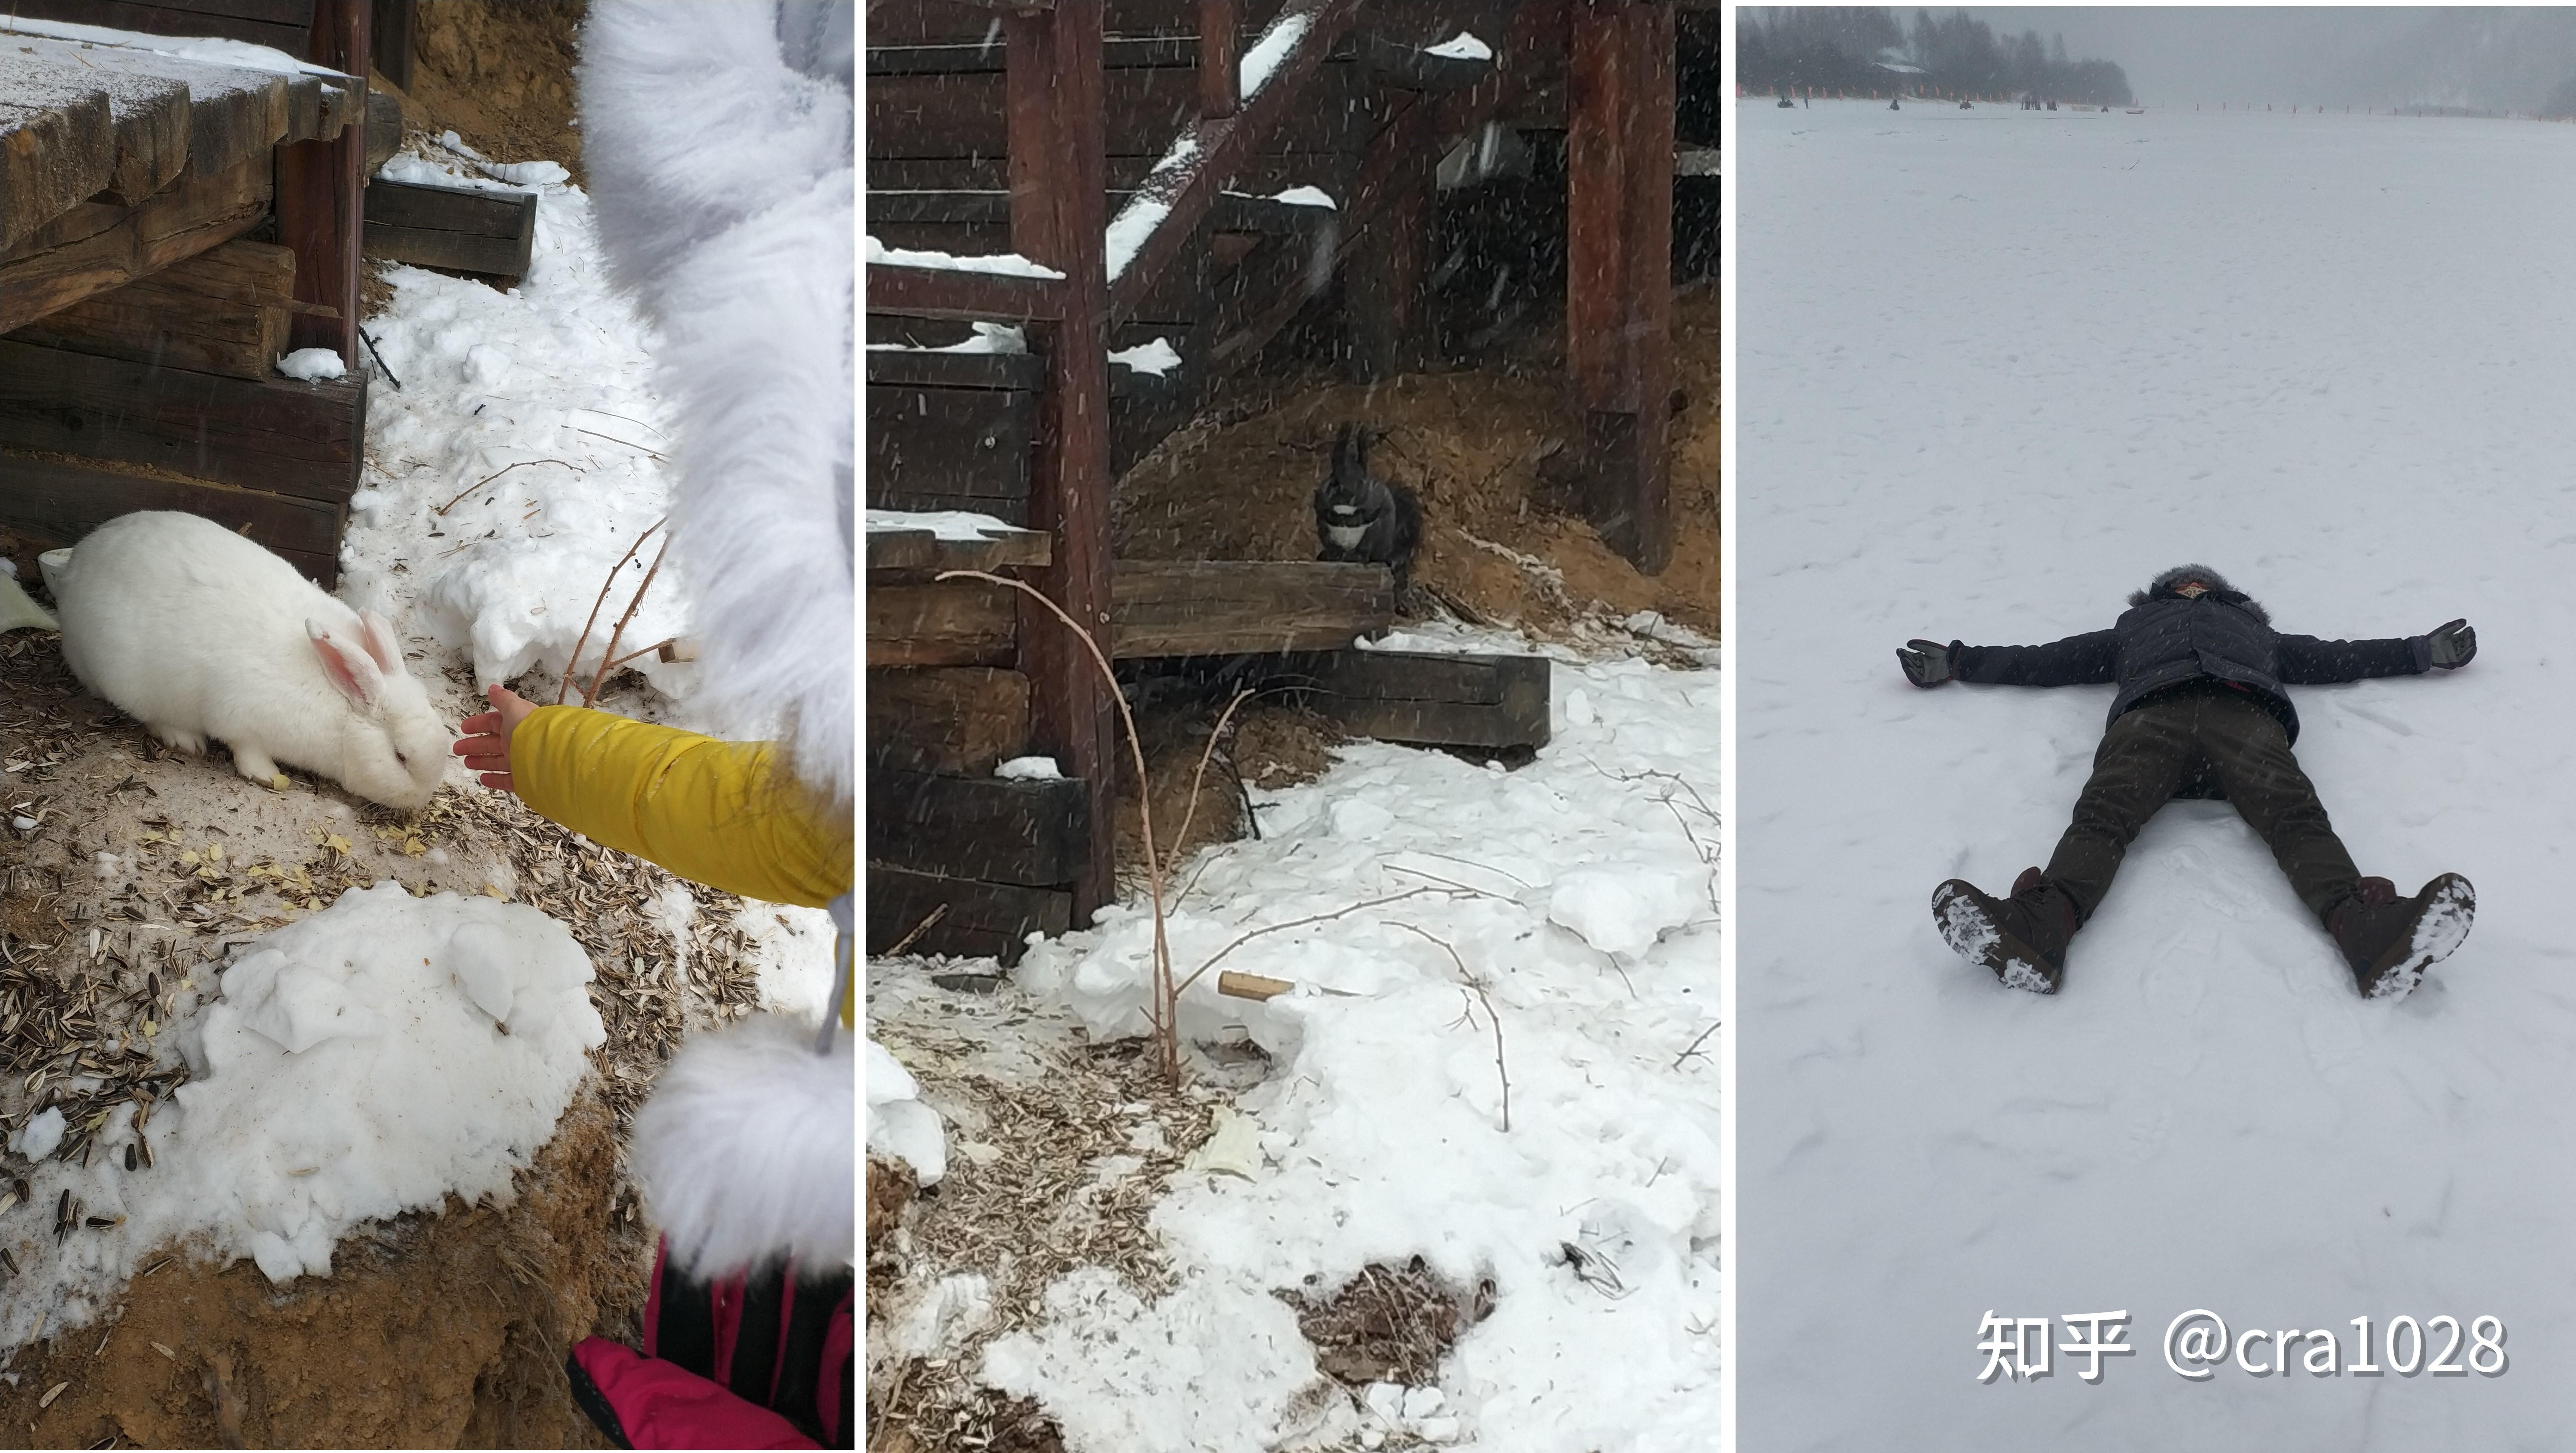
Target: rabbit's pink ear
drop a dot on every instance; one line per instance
(352, 673)
(383, 646)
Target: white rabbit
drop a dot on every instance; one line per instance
(196, 632)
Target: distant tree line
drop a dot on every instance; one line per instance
(1863, 50)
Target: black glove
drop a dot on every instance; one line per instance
(2454, 643)
(1926, 663)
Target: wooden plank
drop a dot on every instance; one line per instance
(938, 292)
(1145, 109)
(182, 220)
(56, 148)
(950, 441)
(451, 209)
(898, 367)
(450, 251)
(998, 831)
(222, 311)
(321, 191)
(232, 114)
(279, 24)
(1222, 144)
(1058, 177)
(1619, 296)
(922, 550)
(1427, 699)
(389, 33)
(276, 434)
(1227, 607)
(920, 622)
(63, 501)
(983, 920)
(961, 720)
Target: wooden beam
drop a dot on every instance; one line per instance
(461, 229)
(932, 292)
(961, 720)
(1222, 144)
(916, 621)
(1619, 295)
(321, 191)
(1233, 607)
(389, 37)
(1385, 287)
(951, 443)
(1058, 175)
(63, 501)
(980, 920)
(278, 434)
(279, 24)
(922, 550)
(1491, 702)
(223, 311)
(1220, 58)
(1032, 832)
(98, 246)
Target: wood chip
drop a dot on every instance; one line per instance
(47, 1400)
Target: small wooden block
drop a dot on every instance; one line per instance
(915, 621)
(459, 229)
(985, 828)
(984, 920)
(1428, 699)
(962, 720)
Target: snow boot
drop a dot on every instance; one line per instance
(2022, 939)
(2389, 941)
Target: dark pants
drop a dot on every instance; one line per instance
(2145, 756)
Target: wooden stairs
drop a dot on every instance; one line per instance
(1192, 173)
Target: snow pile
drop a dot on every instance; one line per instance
(899, 1124)
(521, 457)
(1464, 46)
(1008, 263)
(1158, 357)
(1378, 1135)
(357, 1064)
(1995, 375)
(946, 524)
(308, 364)
(1305, 197)
(986, 338)
(1264, 56)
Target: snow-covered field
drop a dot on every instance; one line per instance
(1578, 896)
(1998, 368)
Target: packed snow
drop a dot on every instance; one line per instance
(1996, 370)
(1305, 197)
(1264, 56)
(1157, 357)
(1464, 46)
(1008, 263)
(1380, 1131)
(985, 338)
(946, 524)
(309, 364)
(354, 1065)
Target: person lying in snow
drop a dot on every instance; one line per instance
(2201, 712)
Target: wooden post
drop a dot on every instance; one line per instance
(1219, 38)
(389, 40)
(321, 192)
(1385, 308)
(1619, 244)
(1059, 213)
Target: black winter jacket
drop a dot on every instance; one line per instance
(2165, 640)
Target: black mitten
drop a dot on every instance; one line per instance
(1926, 663)
(2453, 644)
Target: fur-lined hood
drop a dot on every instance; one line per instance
(2162, 588)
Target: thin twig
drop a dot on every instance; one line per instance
(1198, 778)
(565, 684)
(1449, 882)
(1478, 986)
(918, 929)
(1696, 1043)
(1300, 923)
(497, 473)
(601, 676)
(613, 439)
(1167, 995)
(380, 360)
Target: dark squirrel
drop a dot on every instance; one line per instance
(1359, 517)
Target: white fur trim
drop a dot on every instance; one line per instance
(748, 1149)
(726, 191)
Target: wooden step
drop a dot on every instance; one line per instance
(223, 311)
(457, 229)
(986, 828)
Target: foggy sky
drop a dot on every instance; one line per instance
(2486, 58)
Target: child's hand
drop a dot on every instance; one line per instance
(486, 745)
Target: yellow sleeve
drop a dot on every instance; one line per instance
(711, 811)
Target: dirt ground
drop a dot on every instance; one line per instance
(500, 75)
(1478, 446)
